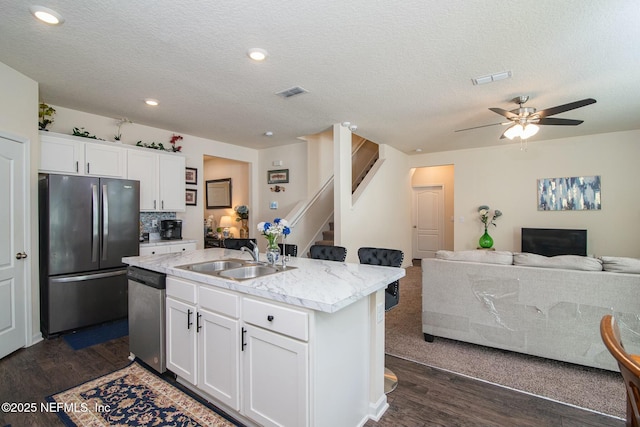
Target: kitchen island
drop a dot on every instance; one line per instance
(300, 347)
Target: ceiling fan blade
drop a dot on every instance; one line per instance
(566, 107)
(559, 122)
(503, 112)
(478, 127)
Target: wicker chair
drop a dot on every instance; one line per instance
(629, 365)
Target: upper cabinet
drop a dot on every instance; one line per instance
(162, 179)
(70, 155)
(161, 174)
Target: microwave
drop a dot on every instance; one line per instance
(171, 229)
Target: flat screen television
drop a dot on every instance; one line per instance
(554, 241)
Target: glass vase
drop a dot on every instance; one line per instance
(273, 253)
(485, 241)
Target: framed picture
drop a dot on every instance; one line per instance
(191, 175)
(218, 193)
(279, 176)
(577, 193)
(191, 197)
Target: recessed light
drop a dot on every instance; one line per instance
(268, 133)
(152, 102)
(47, 15)
(257, 54)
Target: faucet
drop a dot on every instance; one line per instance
(255, 253)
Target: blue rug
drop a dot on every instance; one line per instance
(97, 334)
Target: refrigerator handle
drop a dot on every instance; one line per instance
(95, 219)
(105, 222)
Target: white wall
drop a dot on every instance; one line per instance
(505, 178)
(319, 160)
(293, 158)
(381, 217)
(19, 117)
(193, 147)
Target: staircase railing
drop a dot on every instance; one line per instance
(309, 217)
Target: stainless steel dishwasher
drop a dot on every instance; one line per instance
(147, 317)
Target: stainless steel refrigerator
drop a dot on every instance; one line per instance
(86, 226)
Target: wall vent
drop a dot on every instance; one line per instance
(288, 93)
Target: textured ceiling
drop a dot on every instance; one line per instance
(400, 70)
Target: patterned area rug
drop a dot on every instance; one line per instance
(132, 396)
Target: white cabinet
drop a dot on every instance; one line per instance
(182, 247)
(269, 352)
(154, 250)
(161, 176)
(105, 160)
(166, 249)
(276, 379)
(219, 345)
(61, 155)
(69, 155)
(172, 182)
(181, 333)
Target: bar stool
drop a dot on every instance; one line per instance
(387, 258)
(328, 253)
(288, 249)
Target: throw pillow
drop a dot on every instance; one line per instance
(568, 262)
(621, 264)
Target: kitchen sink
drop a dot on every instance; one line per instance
(248, 272)
(213, 266)
(235, 269)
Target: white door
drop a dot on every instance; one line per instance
(219, 357)
(13, 262)
(276, 380)
(428, 228)
(181, 339)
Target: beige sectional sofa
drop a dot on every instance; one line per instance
(548, 307)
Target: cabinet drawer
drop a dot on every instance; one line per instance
(183, 247)
(220, 302)
(275, 318)
(181, 289)
(154, 250)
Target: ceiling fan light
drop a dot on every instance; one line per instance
(513, 131)
(529, 130)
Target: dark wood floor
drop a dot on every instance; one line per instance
(424, 397)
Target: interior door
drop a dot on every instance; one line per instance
(428, 228)
(13, 261)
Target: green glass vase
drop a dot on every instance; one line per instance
(485, 241)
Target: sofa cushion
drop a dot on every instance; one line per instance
(568, 262)
(621, 264)
(488, 257)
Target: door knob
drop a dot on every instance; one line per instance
(21, 255)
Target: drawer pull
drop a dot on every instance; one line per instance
(269, 318)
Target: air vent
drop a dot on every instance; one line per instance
(288, 93)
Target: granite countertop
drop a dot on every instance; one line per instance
(159, 242)
(319, 285)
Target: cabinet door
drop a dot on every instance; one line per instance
(143, 166)
(183, 247)
(172, 185)
(275, 379)
(61, 156)
(181, 339)
(219, 357)
(105, 160)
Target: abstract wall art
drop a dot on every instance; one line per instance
(569, 194)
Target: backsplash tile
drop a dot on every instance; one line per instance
(146, 219)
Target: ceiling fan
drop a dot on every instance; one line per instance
(524, 121)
